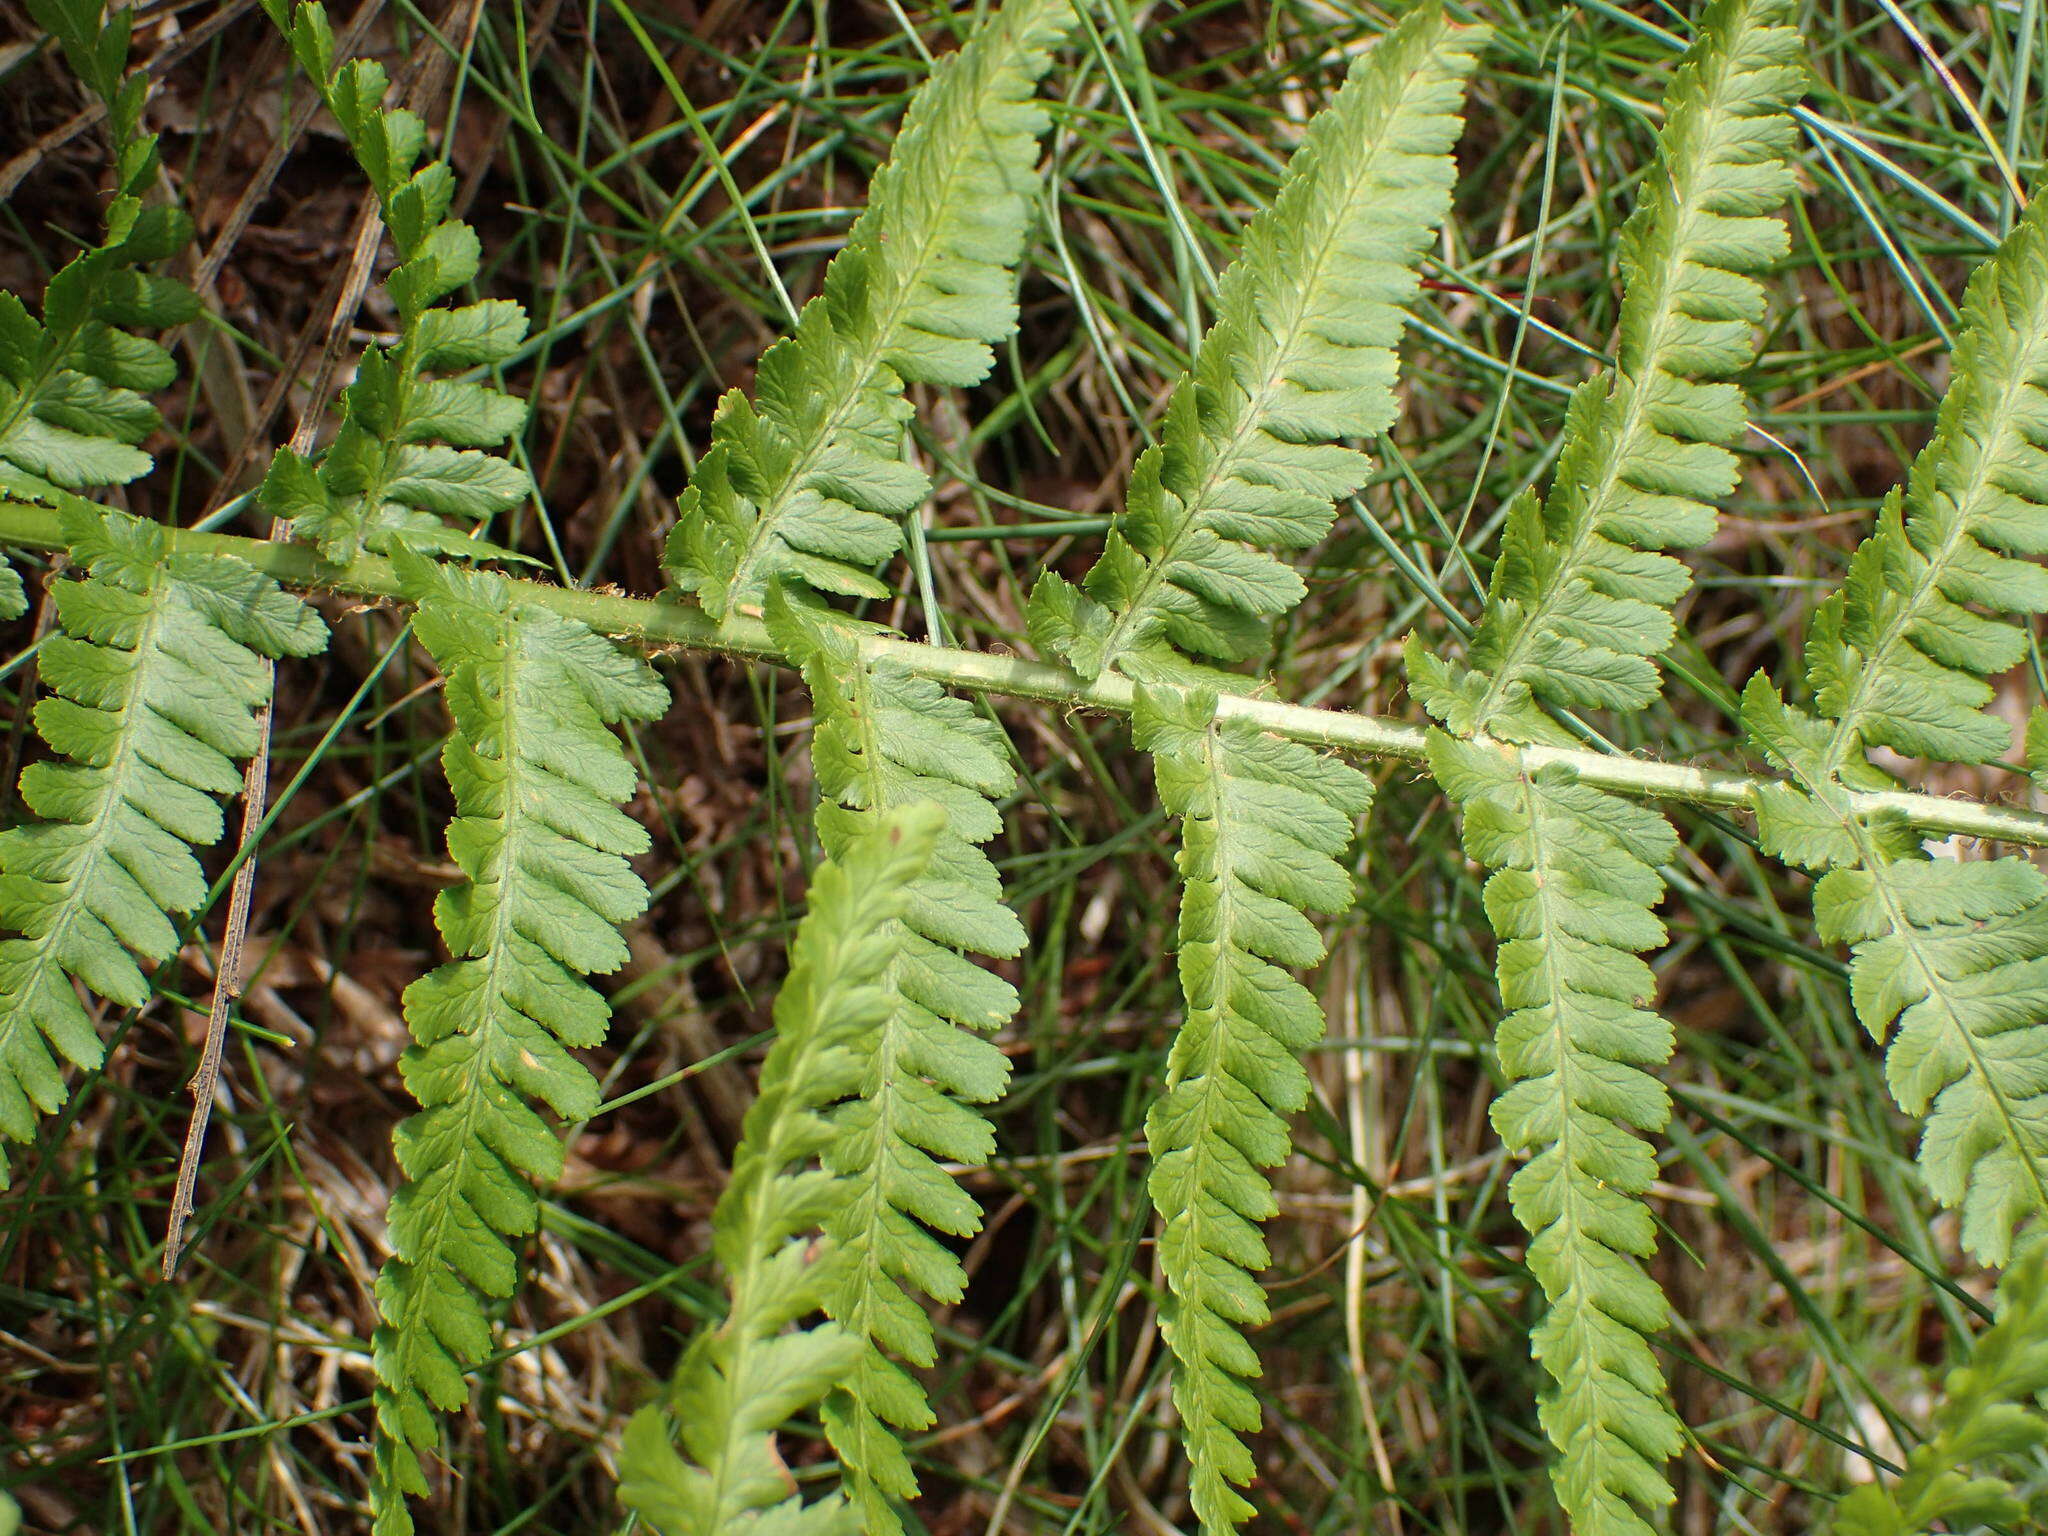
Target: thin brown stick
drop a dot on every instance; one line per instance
(428, 71)
(227, 970)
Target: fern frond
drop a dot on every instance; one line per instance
(886, 739)
(1301, 356)
(408, 452)
(1577, 612)
(154, 677)
(741, 1380)
(807, 482)
(73, 384)
(1989, 1412)
(538, 777)
(1579, 606)
(1263, 822)
(1574, 880)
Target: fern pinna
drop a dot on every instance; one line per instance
(1949, 956)
(803, 488)
(743, 1378)
(806, 482)
(74, 385)
(1301, 356)
(155, 675)
(409, 449)
(1577, 611)
(538, 777)
(1263, 824)
(886, 739)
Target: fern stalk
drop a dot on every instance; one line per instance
(657, 623)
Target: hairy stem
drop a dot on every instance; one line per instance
(658, 622)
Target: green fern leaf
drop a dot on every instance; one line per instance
(1301, 356)
(538, 777)
(1900, 656)
(806, 482)
(1956, 957)
(886, 739)
(1579, 604)
(155, 675)
(1263, 822)
(408, 453)
(1949, 963)
(740, 1381)
(1989, 1412)
(1575, 877)
(73, 412)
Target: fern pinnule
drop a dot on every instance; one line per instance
(1301, 356)
(806, 482)
(885, 739)
(155, 675)
(742, 1379)
(408, 452)
(1263, 822)
(538, 777)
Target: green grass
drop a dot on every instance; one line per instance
(658, 195)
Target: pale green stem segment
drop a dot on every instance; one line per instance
(657, 622)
